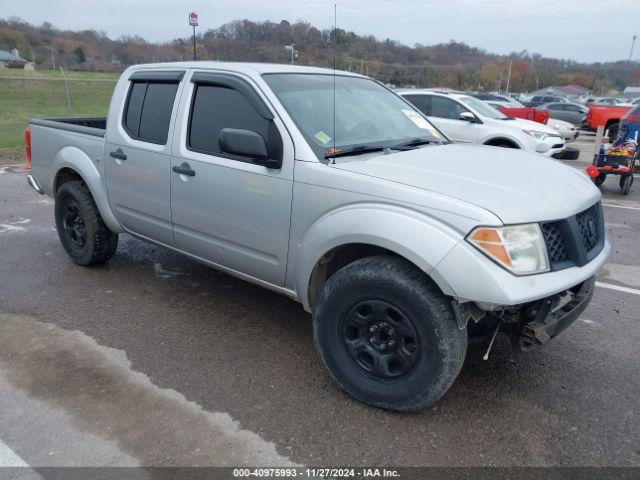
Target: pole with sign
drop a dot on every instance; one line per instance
(193, 21)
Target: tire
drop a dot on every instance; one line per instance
(599, 180)
(82, 232)
(395, 297)
(570, 154)
(625, 184)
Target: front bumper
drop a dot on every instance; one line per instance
(467, 275)
(547, 323)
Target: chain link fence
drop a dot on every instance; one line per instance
(22, 98)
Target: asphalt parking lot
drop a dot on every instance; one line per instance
(153, 359)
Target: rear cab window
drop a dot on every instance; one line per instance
(150, 101)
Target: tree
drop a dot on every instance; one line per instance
(80, 55)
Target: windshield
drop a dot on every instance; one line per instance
(482, 107)
(366, 113)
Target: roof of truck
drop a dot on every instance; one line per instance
(242, 67)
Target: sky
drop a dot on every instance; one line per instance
(581, 30)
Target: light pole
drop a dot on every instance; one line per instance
(633, 42)
(294, 52)
(193, 21)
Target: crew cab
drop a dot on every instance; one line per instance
(466, 119)
(331, 189)
(607, 116)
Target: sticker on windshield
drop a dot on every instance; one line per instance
(322, 137)
(420, 122)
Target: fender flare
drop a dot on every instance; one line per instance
(78, 161)
(410, 234)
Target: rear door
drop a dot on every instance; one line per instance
(229, 210)
(138, 154)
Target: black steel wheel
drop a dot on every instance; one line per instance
(381, 339)
(82, 232)
(73, 224)
(387, 335)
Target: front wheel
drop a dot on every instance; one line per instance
(387, 335)
(82, 232)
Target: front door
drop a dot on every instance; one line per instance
(445, 114)
(225, 208)
(138, 156)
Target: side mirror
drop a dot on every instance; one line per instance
(468, 117)
(246, 143)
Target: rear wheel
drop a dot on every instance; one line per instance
(387, 335)
(82, 232)
(625, 184)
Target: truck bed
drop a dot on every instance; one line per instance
(81, 138)
(90, 125)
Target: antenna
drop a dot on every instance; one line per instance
(335, 48)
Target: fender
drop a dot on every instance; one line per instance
(75, 159)
(409, 233)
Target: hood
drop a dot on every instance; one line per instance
(516, 186)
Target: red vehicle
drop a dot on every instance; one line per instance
(528, 113)
(607, 116)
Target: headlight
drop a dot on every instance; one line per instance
(536, 134)
(555, 126)
(518, 248)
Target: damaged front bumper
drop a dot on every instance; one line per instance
(529, 324)
(547, 322)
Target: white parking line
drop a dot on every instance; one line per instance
(610, 286)
(620, 206)
(9, 458)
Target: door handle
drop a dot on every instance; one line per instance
(184, 169)
(119, 154)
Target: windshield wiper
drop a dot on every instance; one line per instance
(414, 142)
(355, 150)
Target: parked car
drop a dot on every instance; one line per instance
(607, 116)
(466, 119)
(568, 131)
(528, 113)
(573, 113)
(497, 97)
(538, 100)
(394, 238)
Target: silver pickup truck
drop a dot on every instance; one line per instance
(331, 189)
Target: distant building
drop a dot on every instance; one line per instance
(11, 59)
(631, 92)
(572, 91)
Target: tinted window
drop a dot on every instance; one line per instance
(134, 108)
(421, 102)
(149, 111)
(215, 108)
(555, 106)
(445, 108)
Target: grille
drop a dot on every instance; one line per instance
(555, 243)
(588, 224)
(575, 240)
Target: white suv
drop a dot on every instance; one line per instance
(465, 119)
